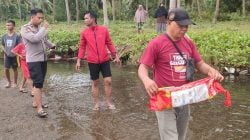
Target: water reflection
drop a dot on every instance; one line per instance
(69, 96)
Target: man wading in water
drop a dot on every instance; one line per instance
(95, 39)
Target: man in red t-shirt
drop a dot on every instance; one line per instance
(96, 41)
(169, 69)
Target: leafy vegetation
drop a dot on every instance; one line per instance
(222, 44)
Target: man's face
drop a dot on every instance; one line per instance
(88, 20)
(10, 26)
(178, 31)
(37, 19)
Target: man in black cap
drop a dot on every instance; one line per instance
(169, 66)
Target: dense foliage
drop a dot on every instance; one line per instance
(223, 44)
(55, 10)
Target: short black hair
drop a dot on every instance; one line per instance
(92, 15)
(12, 22)
(35, 11)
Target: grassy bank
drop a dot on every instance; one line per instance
(223, 44)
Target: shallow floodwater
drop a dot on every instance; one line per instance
(69, 96)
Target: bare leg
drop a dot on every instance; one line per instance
(37, 98)
(107, 89)
(30, 85)
(95, 93)
(15, 76)
(7, 74)
(22, 87)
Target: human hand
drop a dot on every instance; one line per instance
(151, 87)
(21, 57)
(213, 73)
(117, 60)
(78, 65)
(45, 24)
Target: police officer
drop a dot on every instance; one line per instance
(34, 36)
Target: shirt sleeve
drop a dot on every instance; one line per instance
(82, 46)
(110, 44)
(33, 37)
(48, 44)
(149, 55)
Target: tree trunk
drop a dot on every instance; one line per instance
(87, 5)
(67, 11)
(146, 5)
(172, 4)
(243, 8)
(77, 11)
(105, 13)
(129, 2)
(178, 4)
(216, 12)
(113, 9)
(120, 8)
(198, 8)
(192, 5)
(159, 2)
(54, 10)
(19, 9)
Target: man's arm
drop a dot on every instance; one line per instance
(112, 48)
(48, 44)
(150, 85)
(110, 45)
(81, 51)
(208, 70)
(32, 37)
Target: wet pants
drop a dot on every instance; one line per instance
(173, 123)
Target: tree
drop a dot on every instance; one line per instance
(243, 8)
(216, 12)
(77, 11)
(19, 9)
(54, 10)
(198, 8)
(172, 4)
(105, 13)
(178, 3)
(67, 11)
(113, 9)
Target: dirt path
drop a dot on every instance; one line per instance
(18, 119)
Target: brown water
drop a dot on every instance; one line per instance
(69, 97)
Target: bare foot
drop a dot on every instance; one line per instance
(8, 85)
(111, 106)
(96, 107)
(14, 85)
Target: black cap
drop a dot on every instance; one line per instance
(180, 16)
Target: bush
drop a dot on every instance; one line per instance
(229, 48)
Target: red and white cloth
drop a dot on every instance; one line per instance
(193, 92)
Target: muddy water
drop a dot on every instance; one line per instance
(69, 96)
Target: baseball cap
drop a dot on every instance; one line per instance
(180, 16)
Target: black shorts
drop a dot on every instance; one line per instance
(37, 73)
(10, 62)
(96, 68)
